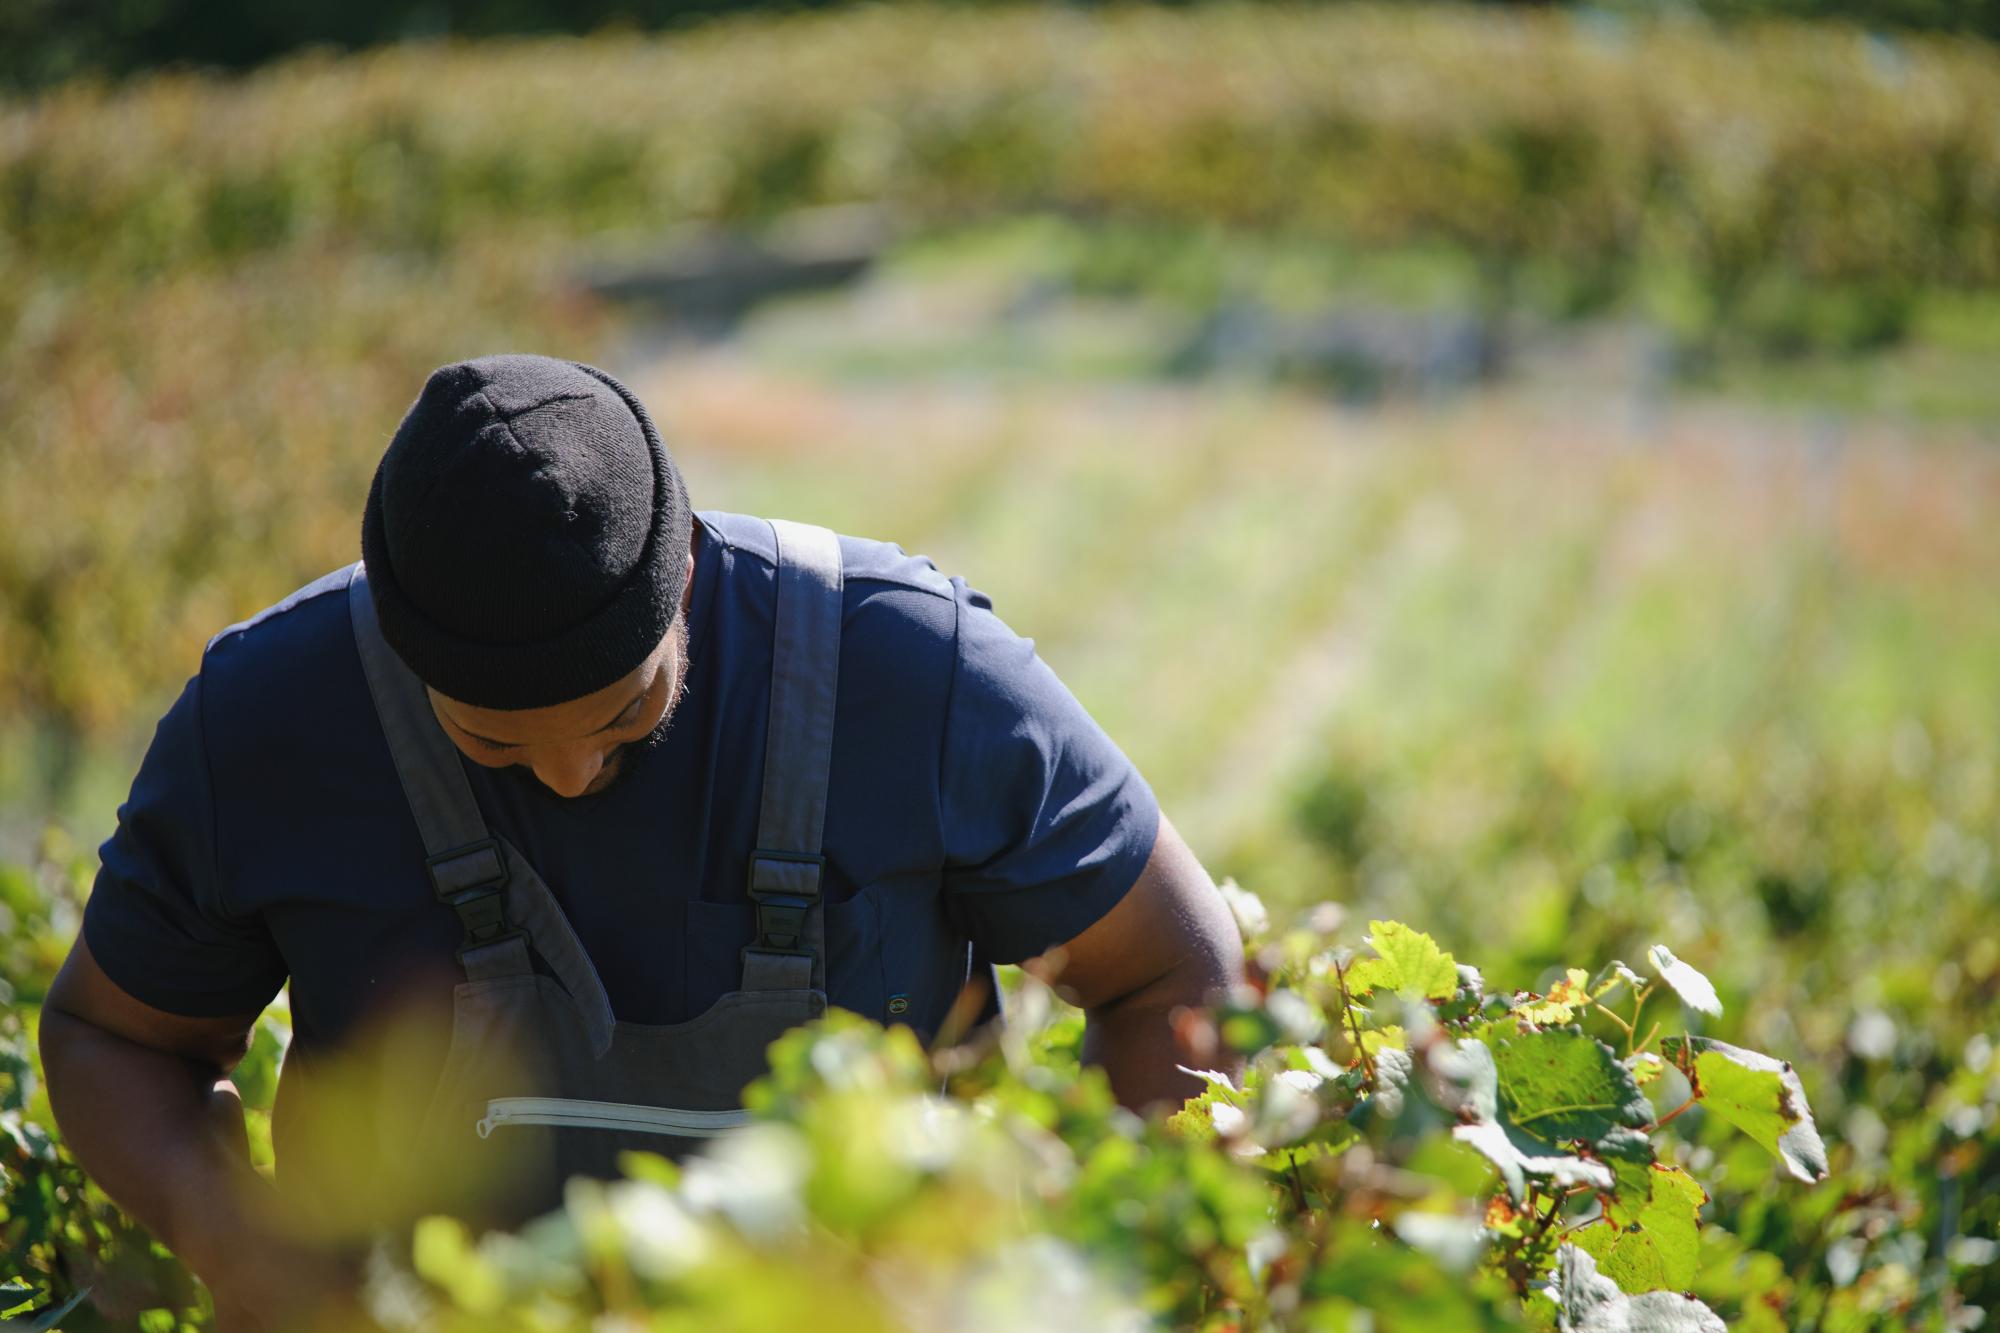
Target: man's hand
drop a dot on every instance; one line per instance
(144, 1101)
(1169, 943)
(270, 1283)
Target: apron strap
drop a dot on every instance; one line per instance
(785, 868)
(502, 903)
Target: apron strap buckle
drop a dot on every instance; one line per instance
(483, 912)
(785, 887)
(470, 880)
(472, 866)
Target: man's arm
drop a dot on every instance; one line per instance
(1170, 942)
(144, 1100)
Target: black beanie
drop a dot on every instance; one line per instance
(526, 536)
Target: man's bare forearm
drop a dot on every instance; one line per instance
(1136, 1040)
(1136, 1049)
(1170, 943)
(161, 1134)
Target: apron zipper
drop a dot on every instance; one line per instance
(575, 1114)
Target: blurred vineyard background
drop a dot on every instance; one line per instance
(1535, 474)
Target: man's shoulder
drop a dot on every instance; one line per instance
(864, 561)
(285, 673)
(899, 621)
(302, 619)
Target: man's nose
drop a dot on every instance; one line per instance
(569, 773)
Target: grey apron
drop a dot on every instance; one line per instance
(542, 1081)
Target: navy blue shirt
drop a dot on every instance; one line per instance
(973, 802)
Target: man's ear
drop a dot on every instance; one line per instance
(687, 583)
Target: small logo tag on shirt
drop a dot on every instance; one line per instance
(899, 1004)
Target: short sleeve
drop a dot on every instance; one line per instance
(155, 921)
(1046, 822)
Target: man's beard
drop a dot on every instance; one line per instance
(619, 761)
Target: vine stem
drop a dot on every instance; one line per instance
(1353, 1024)
(1548, 1219)
(1676, 1111)
(1632, 1028)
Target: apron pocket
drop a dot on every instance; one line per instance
(713, 963)
(854, 956)
(717, 932)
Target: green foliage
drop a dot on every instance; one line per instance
(1323, 1183)
(1409, 963)
(1694, 989)
(1246, 1209)
(1142, 113)
(42, 41)
(1757, 1094)
(1658, 1248)
(68, 1255)
(1629, 1155)
(1592, 1303)
(1763, 742)
(1328, 1182)
(1557, 1084)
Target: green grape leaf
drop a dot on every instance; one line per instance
(1562, 1001)
(1392, 1082)
(1466, 1084)
(1694, 989)
(1629, 1154)
(1759, 1095)
(1470, 1087)
(1214, 1078)
(1592, 1303)
(1374, 1040)
(1558, 1085)
(1658, 1250)
(1515, 1164)
(1618, 972)
(1196, 1118)
(1411, 965)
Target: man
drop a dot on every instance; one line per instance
(612, 793)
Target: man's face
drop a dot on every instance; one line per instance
(578, 747)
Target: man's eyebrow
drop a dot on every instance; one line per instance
(624, 715)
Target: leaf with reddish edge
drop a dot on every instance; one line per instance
(1659, 1247)
(1759, 1095)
